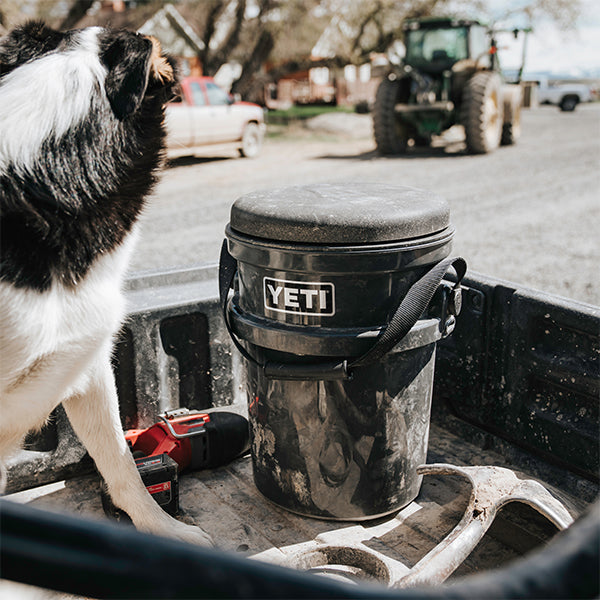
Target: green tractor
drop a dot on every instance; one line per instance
(449, 76)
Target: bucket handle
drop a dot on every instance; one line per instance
(407, 314)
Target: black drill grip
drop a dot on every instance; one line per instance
(227, 437)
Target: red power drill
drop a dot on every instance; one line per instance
(181, 440)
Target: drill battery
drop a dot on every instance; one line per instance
(160, 476)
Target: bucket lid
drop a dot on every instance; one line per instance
(328, 213)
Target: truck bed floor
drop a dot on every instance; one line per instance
(227, 505)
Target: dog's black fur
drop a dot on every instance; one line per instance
(83, 193)
(78, 155)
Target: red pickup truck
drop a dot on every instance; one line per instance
(204, 115)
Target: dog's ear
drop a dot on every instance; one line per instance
(127, 58)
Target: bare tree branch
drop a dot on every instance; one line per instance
(231, 41)
(563, 12)
(215, 10)
(76, 12)
(260, 53)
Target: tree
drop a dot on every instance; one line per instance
(274, 22)
(563, 12)
(14, 12)
(283, 33)
(221, 34)
(373, 26)
(354, 30)
(247, 31)
(76, 12)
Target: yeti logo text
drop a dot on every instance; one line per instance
(299, 297)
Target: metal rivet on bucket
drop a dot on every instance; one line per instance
(337, 308)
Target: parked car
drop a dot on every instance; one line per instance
(566, 95)
(203, 114)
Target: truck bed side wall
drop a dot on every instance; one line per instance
(519, 373)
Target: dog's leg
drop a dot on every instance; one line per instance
(94, 415)
(27, 401)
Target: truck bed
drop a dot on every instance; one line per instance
(516, 386)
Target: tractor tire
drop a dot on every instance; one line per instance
(511, 128)
(391, 136)
(482, 112)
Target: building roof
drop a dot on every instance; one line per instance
(175, 34)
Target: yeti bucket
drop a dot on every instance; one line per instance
(337, 307)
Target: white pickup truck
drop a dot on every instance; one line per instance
(566, 95)
(203, 116)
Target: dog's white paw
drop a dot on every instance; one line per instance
(167, 526)
(191, 535)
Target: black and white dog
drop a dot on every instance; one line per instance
(81, 136)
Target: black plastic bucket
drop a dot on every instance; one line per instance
(337, 309)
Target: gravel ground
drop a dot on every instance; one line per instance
(528, 213)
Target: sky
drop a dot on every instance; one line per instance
(574, 52)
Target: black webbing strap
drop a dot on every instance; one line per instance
(227, 271)
(417, 299)
(407, 314)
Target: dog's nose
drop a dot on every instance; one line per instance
(160, 68)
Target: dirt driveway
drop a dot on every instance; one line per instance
(529, 213)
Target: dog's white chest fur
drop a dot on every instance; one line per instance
(61, 330)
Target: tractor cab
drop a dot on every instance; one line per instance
(436, 45)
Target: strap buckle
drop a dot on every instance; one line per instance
(451, 307)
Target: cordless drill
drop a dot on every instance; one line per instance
(182, 440)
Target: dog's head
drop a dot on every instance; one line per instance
(81, 135)
(52, 82)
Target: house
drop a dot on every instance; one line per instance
(328, 81)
